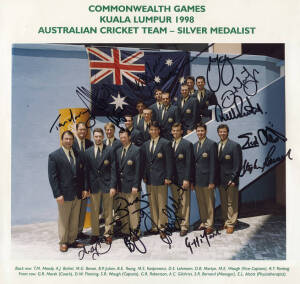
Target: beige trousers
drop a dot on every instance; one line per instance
(83, 206)
(68, 215)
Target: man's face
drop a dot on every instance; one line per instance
(98, 138)
(154, 132)
(140, 107)
(67, 141)
(110, 132)
(223, 133)
(147, 114)
(128, 122)
(158, 96)
(165, 99)
(201, 133)
(124, 138)
(81, 131)
(190, 84)
(177, 132)
(184, 91)
(200, 84)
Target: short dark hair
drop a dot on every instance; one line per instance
(140, 102)
(190, 78)
(125, 130)
(98, 130)
(201, 124)
(128, 115)
(201, 77)
(67, 132)
(167, 93)
(156, 90)
(184, 84)
(177, 124)
(223, 126)
(80, 123)
(155, 124)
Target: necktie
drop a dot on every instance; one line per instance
(199, 146)
(123, 154)
(221, 150)
(72, 163)
(163, 113)
(109, 143)
(174, 144)
(98, 154)
(82, 148)
(183, 102)
(152, 148)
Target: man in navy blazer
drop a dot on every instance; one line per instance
(136, 137)
(205, 99)
(188, 110)
(138, 120)
(81, 144)
(100, 182)
(144, 128)
(230, 165)
(157, 106)
(182, 177)
(158, 160)
(128, 168)
(168, 116)
(205, 152)
(111, 140)
(190, 81)
(64, 169)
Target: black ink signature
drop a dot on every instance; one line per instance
(94, 250)
(239, 110)
(196, 242)
(264, 136)
(269, 160)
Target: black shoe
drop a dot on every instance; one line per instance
(93, 240)
(82, 236)
(76, 245)
(150, 232)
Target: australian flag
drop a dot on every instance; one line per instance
(121, 77)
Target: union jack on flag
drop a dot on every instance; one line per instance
(106, 65)
(120, 77)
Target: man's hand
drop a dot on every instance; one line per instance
(185, 184)
(168, 181)
(211, 186)
(60, 200)
(112, 192)
(134, 190)
(231, 183)
(85, 194)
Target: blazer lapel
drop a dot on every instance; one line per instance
(65, 159)
(126, 157)
(156, 149)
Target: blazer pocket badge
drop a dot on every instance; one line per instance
(106, 162)
(129, 163)
(188, 111)
(159, 155)
(204, 155)
(180, 156)
(227, 157)
(170, 119)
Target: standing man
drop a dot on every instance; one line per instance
(230, 164)
(158, 158)
(205, 152)
(147, 114)
(136, 137)
(128, 166)
(188, 110)
(205, 99)
(110, 135)
(81, 143)
(182, 176)
(157, 106)
(168, 116)
(190, 81)
(64, 169)
(100, 182)
(138, 120)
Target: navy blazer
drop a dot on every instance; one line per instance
(170, 117)
(88, 144)
(158, 166)
(61, 177)
(188, 114)
(155, 111)
(100, 176)
(141, 122)
(209, 99)
(183, 157)
(115, 145)
(230, 163)
(128, 171)
(145, 133)
(206, 163)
